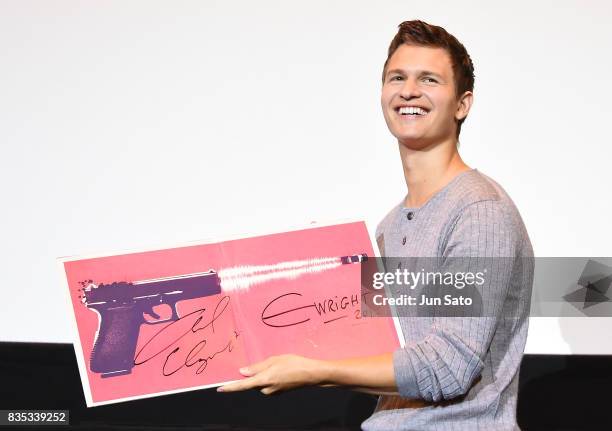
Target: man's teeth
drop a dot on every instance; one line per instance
(412, 110)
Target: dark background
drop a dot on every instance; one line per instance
(556, 393)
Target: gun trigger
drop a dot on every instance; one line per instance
(153, 314)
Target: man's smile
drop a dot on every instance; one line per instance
(411, 112)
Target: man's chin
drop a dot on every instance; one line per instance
(414, 143)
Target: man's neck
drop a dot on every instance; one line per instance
(428, 170)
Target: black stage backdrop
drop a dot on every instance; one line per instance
(556, 393)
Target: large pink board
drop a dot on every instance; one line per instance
(236, 302)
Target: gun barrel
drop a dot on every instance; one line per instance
(188, 286)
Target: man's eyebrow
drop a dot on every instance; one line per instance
(392, 71)
(429, 72)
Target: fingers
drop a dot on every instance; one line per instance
(250, 383)
(246, 371)
(268, 390)
(263, 375)
(253, 380)
(241, 385)
(259, 366)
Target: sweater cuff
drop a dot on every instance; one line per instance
(405, 375)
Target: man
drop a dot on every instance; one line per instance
(458, 373)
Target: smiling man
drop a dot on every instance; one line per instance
(458, 373)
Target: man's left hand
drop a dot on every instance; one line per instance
(279, 373)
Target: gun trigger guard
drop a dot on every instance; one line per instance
(174, 312)
(155, 322)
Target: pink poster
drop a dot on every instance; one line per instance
(164, 321)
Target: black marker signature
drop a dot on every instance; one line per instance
(329, 307)
(192, 358)
(265, 317)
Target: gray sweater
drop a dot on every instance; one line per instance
(461, 373)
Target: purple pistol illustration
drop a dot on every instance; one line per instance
(121, 307)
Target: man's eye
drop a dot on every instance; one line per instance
(429, 79)
(396, 78)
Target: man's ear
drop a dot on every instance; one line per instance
(464, 105)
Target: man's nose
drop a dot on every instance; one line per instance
(410, 89)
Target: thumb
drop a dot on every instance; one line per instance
(255, 368)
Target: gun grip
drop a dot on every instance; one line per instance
(115, 345)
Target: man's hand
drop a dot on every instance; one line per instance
(279, 373)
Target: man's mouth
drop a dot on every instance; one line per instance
(412, 111)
